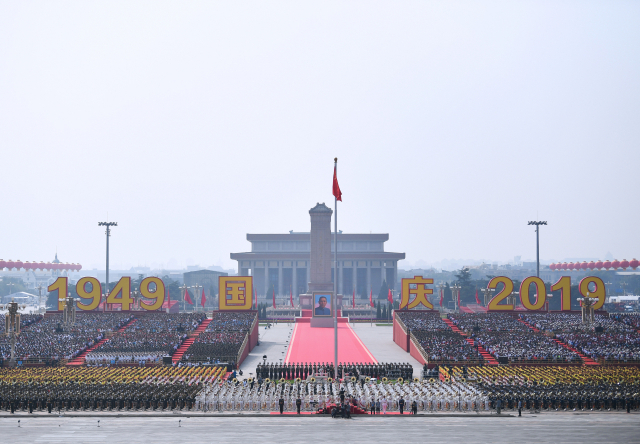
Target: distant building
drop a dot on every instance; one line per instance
(207, 280)
(21, 298)
(283, 261)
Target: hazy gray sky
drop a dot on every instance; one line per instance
(194, 123)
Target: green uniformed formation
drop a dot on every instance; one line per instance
(303, 370)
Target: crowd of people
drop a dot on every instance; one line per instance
(439, 342)
(147, 338)
(479, 389)
(50, 340)
(25, 320)
(607, 339)
(222, 339)
(422, 321)
(304, 371)
(103, 388)
(632, 320)
(487, 322)
(572, 322)
(446, 347)
(559, 388)
(507, 338)
(517, 347)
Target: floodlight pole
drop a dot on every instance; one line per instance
(537, 224)
(334, 299)
(108, 232)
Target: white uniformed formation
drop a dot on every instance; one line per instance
(430, 396)
(104, 359)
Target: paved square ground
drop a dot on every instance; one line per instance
(543, 428)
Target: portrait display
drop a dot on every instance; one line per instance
(322, 304)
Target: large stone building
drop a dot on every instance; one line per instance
(282, 261)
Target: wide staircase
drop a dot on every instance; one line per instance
(177, 356)
(483, 352)
(79, 360)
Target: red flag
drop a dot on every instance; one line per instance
(291, 296)
(441, 296)
(370, 298)
(187, 298)
(477, 299)
(203, 299)
(336, 188)
(274, 297)
(390, 297)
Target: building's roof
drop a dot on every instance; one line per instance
(223, 273)
(321, 208)
(285, 255)
(342, 237)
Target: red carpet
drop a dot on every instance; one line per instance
(316, 345)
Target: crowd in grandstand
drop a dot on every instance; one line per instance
(506, 337)
(147, 338)
(606, 339)
(437, 339)
(423, 321)
(222, 339)
(632, 320)
(487, 322)
(49, 339)
(446, 346)
(572, 322)
(25, 320)
(605, 346)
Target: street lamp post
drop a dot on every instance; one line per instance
(40, 298)
(487, 295)
(608, 291)
(455, 292)
(108, 233)
(537, 224)
(587, 309)
(441, 286)
(136, 299)
(195, 295)
(12, 328)
(184, 296)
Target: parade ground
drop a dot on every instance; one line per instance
(373, 340)
(554, 428)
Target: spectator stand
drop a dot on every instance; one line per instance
(48, 342)
(513, 342)
(80, 359)
(146, 341)
(427, 337)
(229, 337)
(611, 339)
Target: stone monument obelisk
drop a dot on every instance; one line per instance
(320, 236)
(320, 259)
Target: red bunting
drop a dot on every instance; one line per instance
(187, 298)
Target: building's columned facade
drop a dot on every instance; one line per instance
(283, 261)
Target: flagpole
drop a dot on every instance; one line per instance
(335, 276)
